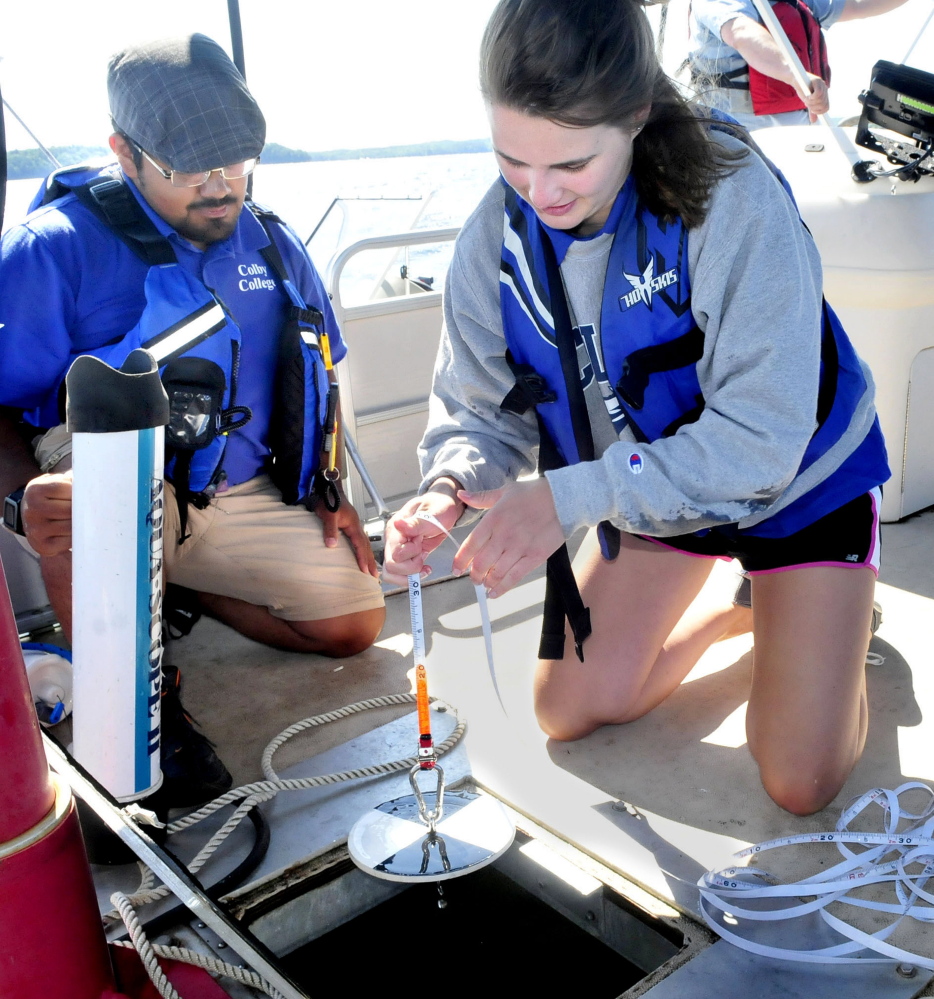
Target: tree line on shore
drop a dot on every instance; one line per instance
(25, 163)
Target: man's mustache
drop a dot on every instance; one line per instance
(213, 202)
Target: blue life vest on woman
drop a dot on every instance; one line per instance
(197, 346)
(651, 346)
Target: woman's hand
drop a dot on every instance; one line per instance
(409, 537)
(517, 534)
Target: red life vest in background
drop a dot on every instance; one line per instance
(771, 96)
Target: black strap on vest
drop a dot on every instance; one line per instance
(529, 391)
(307, 317)
(270, 253)
(567, 353)
(731, 79)
(562, 595)
(641, 364)
(183, 495)
(111, 200)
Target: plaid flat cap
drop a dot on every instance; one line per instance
(184, 102)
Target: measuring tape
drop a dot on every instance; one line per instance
(426, 746)
(885, 860)
(418, 624)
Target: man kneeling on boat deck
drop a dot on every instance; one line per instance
(124, 256)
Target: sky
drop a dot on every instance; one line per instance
(334, 74)
(328, 74)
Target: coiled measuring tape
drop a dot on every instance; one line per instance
(886, 859)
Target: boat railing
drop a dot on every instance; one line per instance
(386, 379)
(342, 201)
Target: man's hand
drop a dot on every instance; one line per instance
(46, 512)
(818, 100)
(346, 520)
(409, 538)
(517, 534)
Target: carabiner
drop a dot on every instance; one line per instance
(433, 817)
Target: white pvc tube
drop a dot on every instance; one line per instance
(117, 420)
(116, 599)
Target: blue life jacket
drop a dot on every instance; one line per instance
(197, 346)
(651, 346)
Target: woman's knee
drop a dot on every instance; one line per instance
(558, 725)
(564, 717)
(803, 791)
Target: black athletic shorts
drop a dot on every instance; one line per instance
(848, 536)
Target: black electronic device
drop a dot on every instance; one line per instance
(13, 511)
(900, 101)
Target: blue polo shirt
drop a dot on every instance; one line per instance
(68, 285)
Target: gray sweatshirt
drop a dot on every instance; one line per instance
(756, 293)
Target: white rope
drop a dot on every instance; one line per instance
(144, 895)
(901, 855)
(143, 946)
(147, 878)
(149, 954)
(259, 791)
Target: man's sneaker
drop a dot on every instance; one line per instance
(192, 772)
(181, 610)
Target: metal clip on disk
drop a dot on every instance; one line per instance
(433, 817)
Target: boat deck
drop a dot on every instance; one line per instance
(658, 801)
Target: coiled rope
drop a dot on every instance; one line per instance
(250, 795)
(149, 954)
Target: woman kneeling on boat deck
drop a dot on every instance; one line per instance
(714, 408)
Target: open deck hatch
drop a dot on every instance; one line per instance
(531, 923)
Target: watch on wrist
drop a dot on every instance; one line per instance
(13, 512)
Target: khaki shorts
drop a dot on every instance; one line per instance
(249, 545)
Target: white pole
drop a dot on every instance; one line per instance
(911, 48)
(117, 570)
(800, 74)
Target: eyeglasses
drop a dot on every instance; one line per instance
(233, 171)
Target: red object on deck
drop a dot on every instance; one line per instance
(26, 792)
(134, 983)
(52, 945)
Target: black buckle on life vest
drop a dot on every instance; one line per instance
(308, 318)
(641, 364)
(530, 390)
